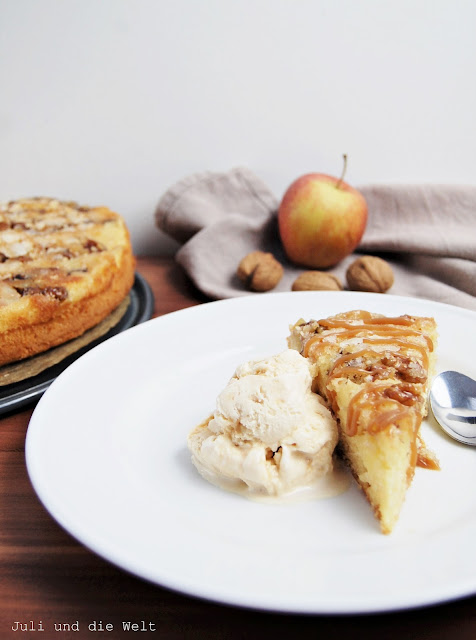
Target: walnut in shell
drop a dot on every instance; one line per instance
(260, 271)
(316, 281)
(370, 273)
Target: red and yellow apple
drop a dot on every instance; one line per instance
(321, 220)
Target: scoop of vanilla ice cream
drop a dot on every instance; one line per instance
(269, 433)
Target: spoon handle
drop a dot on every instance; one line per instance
(463, 412)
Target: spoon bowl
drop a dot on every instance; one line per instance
(453, 402)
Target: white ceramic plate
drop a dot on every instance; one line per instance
(106, 452)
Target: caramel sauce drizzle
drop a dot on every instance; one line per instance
(348, 357)
(408, 346)
(352, 331)
(386, 410)
(427, 463)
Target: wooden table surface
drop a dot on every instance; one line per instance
(48, 579)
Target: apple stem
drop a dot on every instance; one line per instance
(343, 171)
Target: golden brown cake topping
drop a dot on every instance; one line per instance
(63, 269)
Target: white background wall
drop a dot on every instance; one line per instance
(112, 101)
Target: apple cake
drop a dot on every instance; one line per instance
(374, 372)
(63, 269)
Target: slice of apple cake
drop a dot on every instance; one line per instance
(374, 372)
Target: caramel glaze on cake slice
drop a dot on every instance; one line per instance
(374, 372)
(63, 269)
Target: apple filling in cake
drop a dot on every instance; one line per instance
(374, 372)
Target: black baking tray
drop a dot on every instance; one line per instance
(20, 394)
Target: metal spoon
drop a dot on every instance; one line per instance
(453, 402)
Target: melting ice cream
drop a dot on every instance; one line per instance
(270, 434)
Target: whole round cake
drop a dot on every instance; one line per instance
(63, 269)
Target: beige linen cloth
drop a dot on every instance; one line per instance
(426, 232)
